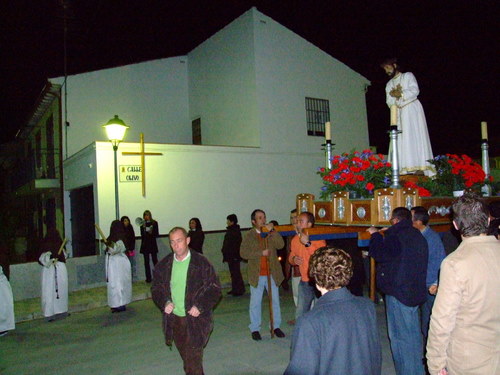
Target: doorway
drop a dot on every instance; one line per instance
(82, 221)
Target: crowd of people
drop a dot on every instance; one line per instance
(442, 307)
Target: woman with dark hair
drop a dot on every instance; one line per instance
(130, 244)
(54, 277)
(149, 233)
(196, 234)
(118, 275)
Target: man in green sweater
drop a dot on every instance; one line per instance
(185, 289)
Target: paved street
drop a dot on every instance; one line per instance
(97, 342)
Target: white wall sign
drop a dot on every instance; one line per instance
(130, 173)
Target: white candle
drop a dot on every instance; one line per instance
(328, 131)
(484, 130)
(394, 115)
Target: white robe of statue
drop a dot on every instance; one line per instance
(7, 320)
(118, 276)
(414, 146)
(54, 286)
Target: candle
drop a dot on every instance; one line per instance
(328, 131)
(394, 115)
(484, 130)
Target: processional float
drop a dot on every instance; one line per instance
(343, 217)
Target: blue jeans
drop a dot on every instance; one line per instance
(403, 324)
(425, 310)
(256, 304)
(305, 298)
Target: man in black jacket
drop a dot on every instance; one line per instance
(401, 274)
(185, 289)
(231, 255)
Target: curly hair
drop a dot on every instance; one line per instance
(330, 268)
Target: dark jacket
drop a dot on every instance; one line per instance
(339, 336)
(197, 239)
(401, 263)
(129, 241)
(203, 290)
(231, 245)
(148, 243)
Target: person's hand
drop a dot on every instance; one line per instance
(433, 289)
(298, 260)
(443, 372)
(265, 253)
(194, 312)
(169, 307)
(372, 230)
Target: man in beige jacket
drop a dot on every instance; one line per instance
(464, 334)
(262, 260)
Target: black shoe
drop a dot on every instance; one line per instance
(279, 333)
(237, 294)
(230, 292)
(256, 336)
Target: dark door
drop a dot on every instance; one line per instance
(82, 221)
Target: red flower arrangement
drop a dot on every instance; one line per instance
(453, 172)
(360, 172)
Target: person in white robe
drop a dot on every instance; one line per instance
(118, 270)
(54, 279)
(7, 320)
(414, 146)
(54, 287)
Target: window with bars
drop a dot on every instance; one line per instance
(317, 112)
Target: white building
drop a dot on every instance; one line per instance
(252, 89)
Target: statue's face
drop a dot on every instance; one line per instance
(390, 70)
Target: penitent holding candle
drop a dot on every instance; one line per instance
(484, 130)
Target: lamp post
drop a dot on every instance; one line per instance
(115, 130)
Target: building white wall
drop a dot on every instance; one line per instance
(151, 97)
(288, 69)
(222, 86)
(208, 182)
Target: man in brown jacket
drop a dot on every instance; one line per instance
(186, 289)
(262, 259)
(464, 334)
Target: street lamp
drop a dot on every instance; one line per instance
(115, 130)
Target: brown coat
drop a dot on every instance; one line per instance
(464, 334)
(251, 250)
(203, 290)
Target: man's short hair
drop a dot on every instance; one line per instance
(254, 212)
(294, 211)
(420, 214)
(330, 268)
(470, 214)
(401, 213)
(232, 218)
(310, 217)
(175, 229)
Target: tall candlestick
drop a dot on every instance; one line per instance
(328, 131)
(484, 130)
(394, 115)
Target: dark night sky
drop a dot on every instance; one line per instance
(450, 46)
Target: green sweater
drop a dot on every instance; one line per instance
(178, 284)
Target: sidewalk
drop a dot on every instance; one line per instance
(81, 300)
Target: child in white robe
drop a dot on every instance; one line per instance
(118, 270)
